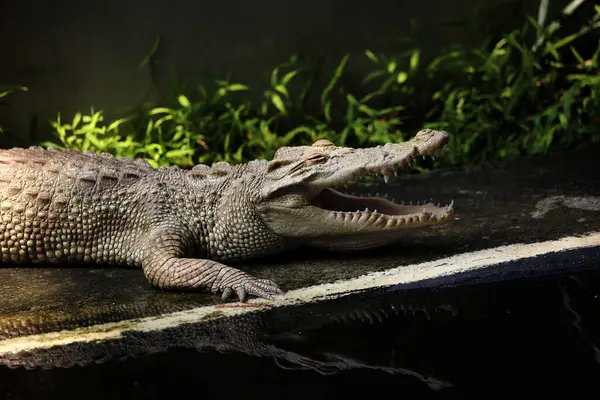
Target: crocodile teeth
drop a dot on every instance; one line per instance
(386, 174)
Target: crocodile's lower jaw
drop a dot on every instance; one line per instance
(378, 212)
(334, 220)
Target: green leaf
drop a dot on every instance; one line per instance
(94, 141)
(274, 76)
(337, 75)
(563, 121)
(149, 127)
(566, 40)
(153, 149)
(281, 89)
(160, 121)
(372, 56)
(402, 77)
(236, 87)
(152, 52)
(373, 75)
(277, 102)
(76, 120)
(49, 144)
(160, 110)
(327, 110)
(367, 110)
(578, 56)
(115, 124)
(179, 153)
(184, 101)
(391, 67)
(8, 91)
(287, 77)
(414, 60)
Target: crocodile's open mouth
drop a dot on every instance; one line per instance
(317, 210)
(378, 210)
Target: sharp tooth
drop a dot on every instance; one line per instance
(395, 172)
(367, 209)
(433, 158)
(375, 211)
(386, 178)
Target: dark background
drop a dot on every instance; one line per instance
(73, 55)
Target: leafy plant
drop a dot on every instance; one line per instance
(515, 95)
(514, 99)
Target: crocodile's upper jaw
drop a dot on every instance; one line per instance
(300, 201)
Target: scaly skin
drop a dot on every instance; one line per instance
(180, 226)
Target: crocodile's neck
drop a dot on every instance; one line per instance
(217, 206)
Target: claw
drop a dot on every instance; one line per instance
(262, 288)
(226, 293)
(241, 293)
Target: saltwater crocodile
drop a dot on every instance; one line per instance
(182, 226)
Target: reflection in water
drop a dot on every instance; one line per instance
(577, 320)
(532, 333)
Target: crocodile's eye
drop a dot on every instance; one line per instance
(322, 143)
(315, 158)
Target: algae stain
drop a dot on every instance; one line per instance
(213, 315)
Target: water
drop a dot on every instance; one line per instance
(540, 335)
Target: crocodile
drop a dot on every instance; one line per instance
(183, 227)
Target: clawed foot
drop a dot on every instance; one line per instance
(248, 285)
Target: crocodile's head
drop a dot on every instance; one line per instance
(298, 199)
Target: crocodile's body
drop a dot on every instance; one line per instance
(180, 226)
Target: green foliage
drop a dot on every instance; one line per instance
(208, 126)
(511, 100)
(500, 100)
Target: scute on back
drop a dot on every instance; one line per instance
(91, 171)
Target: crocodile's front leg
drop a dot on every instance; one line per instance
(166, 267)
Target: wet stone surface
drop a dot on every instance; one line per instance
(530, 334)
(519, 202)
